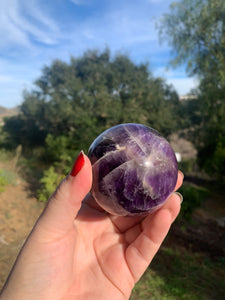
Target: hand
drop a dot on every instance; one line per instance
(79, 252)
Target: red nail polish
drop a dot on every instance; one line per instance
(79, 163)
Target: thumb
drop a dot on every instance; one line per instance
(64, 204)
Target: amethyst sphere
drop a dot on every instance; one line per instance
(134, 169)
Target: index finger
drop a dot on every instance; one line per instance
(180, 179)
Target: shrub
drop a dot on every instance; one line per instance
(187, 166)
(49, 181)
(193, 197)
(212, 160)
(3, 181)
(6, 156)
(219, 161)
(56, 147)
(6, 177)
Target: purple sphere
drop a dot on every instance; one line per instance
(134, 169)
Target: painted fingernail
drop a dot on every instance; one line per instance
(181, 197)
(78, 165)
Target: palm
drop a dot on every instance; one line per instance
(114, 254)
(106, 248)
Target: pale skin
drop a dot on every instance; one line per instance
(77, 251)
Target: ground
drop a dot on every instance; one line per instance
(19, 211)
(206, 230)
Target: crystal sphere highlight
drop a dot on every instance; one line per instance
(134, 169)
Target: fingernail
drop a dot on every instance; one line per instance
(78, 165)
(181, 197)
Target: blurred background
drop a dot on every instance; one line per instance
(70, 69)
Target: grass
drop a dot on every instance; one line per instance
(5, 156)
(3, 182)
(6, 177)
(176, 274)
(8, 174)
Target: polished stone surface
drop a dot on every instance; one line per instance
(134, 169)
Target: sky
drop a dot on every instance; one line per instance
(35, 32)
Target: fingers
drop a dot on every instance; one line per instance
(154, 229)
(65, 203)
(123, 224)
(180, 178)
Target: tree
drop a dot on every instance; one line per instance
(196, 31)
(74, 102)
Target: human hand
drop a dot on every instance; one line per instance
(77, 251)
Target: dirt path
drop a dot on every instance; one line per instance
(18, 213)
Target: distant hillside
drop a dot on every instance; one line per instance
(7, 112)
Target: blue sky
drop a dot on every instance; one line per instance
(35, 32)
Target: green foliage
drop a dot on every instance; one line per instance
(219, 159)
(49, 181)
(6, 177)
(56, 147)
(215, 164)
(177, 274)
(196, 31)
(193, 197)
(212, 129)
(187, 166)
(5, 155)
(75, 102)
(3, 181)
(191, 113)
